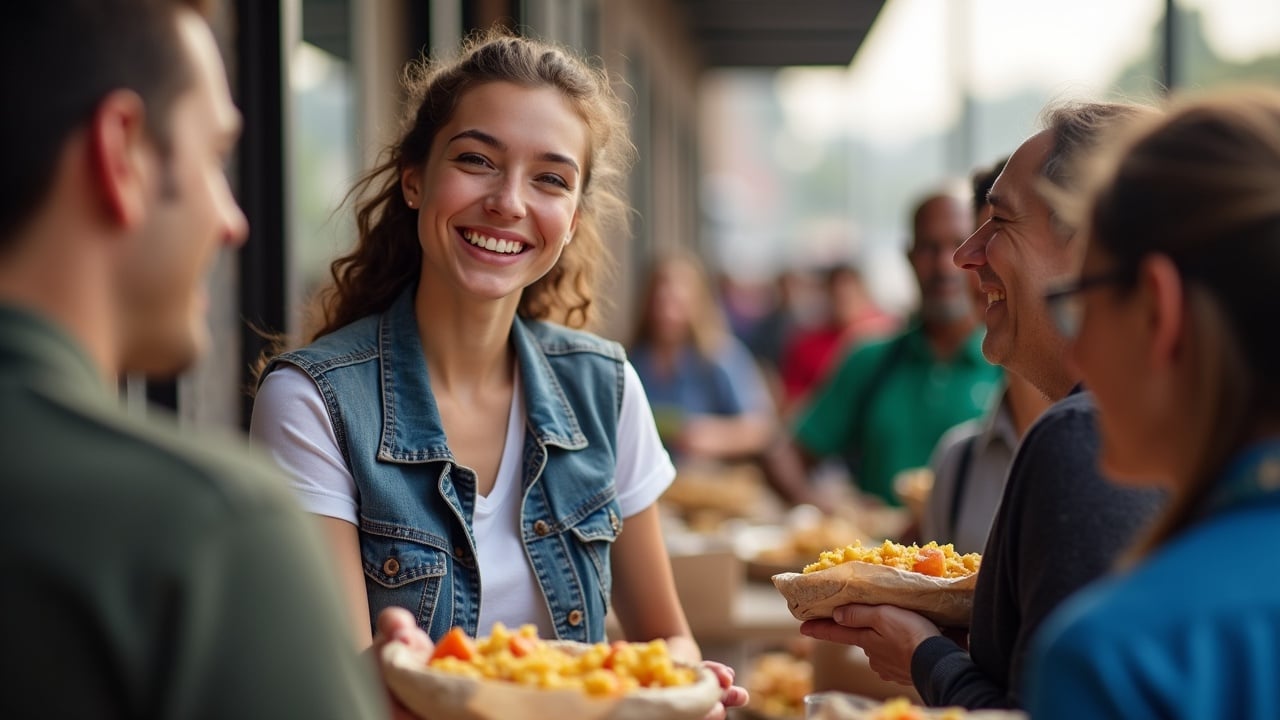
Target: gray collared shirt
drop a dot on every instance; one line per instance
(994, 440)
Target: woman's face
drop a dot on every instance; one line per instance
(499, 193)
(674, 299)
(1112, 352)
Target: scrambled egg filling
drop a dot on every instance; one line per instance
(602, 670)
(932, 559)
(901, 709)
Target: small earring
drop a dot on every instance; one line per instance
(409, 202)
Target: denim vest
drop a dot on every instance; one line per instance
(417, 543)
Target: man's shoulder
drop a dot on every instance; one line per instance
(150, 460)
(1073, 415)
(1059, 450)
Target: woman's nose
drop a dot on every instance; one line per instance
(506, 199)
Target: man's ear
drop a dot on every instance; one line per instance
(118, 147)
(1162, 285)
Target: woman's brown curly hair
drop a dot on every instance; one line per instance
(387, 256)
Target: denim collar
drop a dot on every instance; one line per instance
(412, 430)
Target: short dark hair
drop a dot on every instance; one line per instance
(59, 60)
(982, 180)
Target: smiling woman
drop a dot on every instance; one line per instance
(474, 455)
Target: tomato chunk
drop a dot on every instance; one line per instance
(456, 644)
(930, 561)
(520, 645)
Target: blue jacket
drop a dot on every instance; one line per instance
(416, 503)
(1193, 632)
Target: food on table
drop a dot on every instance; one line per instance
(902, 709)
(852, 707)
(913, 488)
(706, 495)
(808, 540)
(778, 682)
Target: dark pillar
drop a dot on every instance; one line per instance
(260, 93)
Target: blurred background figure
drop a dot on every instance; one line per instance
(887, 403)
(850, 316)
(708, 395)
(797, 303)
(971, 461)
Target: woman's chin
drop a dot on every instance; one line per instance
(1129, 473)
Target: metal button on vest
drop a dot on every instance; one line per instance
(541, 528)
(391, 566)
(575, 617)
(460, 552)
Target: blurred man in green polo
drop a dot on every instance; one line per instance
(146, 574)
(886, 404)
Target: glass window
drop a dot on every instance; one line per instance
(1221, 42)
(321, 141)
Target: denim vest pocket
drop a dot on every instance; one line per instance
(596, 533)
(402, 572)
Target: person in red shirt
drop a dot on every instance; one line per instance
(853, 317)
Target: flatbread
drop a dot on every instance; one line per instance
(437, 695)
(811, 596)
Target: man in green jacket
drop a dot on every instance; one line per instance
(887, 402)
(143, 573)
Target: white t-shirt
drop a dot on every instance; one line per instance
(291, 423)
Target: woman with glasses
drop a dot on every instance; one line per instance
(1174, 322)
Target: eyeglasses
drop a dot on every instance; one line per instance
(1066, 305)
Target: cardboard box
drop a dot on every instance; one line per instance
(708, 584)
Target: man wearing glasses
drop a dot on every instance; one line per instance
(1060, 524)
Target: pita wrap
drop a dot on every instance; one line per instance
(810, 596)
(436, 695)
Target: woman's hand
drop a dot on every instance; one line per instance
(734, 695)
(889, 635)
(397, 625)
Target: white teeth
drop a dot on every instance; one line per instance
(505, 247)
(994, 296)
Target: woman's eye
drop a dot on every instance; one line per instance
(555, 180)
(472, 159)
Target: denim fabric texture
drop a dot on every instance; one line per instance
(416, 503)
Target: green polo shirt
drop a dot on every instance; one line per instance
(147, 573)
(909, 398)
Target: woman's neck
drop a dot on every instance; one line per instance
(1026, 402)
(465, 344)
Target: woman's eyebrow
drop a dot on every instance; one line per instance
(495, 143)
